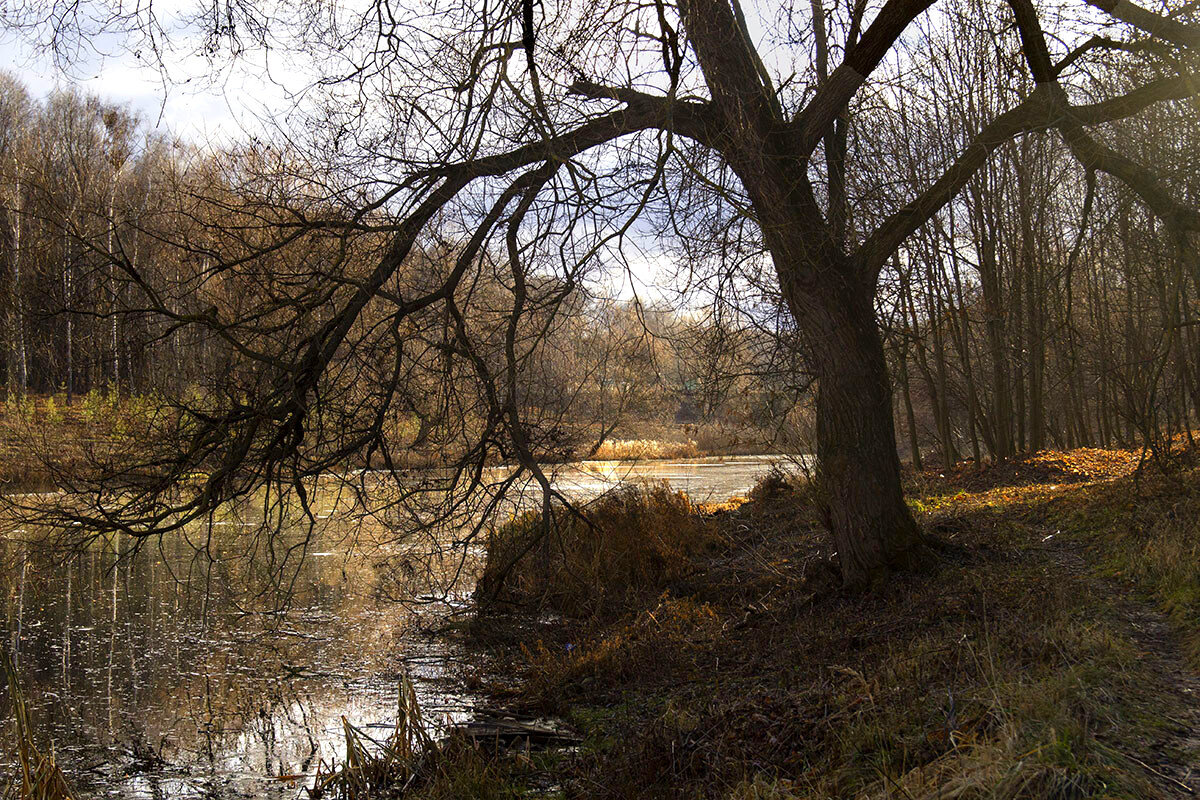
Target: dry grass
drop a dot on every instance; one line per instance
(38, 775)
(1146, 534)
(1008, 669)
(644, 450)
(372, 768)
(659, 635)
(37, 442)
(1143, 530)
(624, 549)
(647, 438)
(412, 764)
(43, 439)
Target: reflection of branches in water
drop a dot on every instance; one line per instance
(154, 658)
(373, 358)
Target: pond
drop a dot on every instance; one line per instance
(176, 672)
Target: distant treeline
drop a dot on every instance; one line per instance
(119, 249)
(1043, 307)
(79, 177)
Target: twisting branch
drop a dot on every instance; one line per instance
(1046, 107)
(1105, 43)
(1148, 186)
(835, 94)
(1164, 28)
(1070, 121)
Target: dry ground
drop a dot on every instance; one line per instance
(1047, 650)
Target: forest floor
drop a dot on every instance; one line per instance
(1048, 649)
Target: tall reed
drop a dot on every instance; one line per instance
(39, 777)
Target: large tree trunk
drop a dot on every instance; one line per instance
(872, 527)
(830, 296)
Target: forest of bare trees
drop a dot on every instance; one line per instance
(988, 210)
(924, 271)
(1046, 305)
(75, 324)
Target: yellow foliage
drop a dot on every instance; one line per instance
(645, 449)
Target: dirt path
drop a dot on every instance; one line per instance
(1175, 765)
(1151, 631)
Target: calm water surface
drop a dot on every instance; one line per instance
(177, 672)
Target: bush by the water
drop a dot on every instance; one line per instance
(644, 449)
(627, 545)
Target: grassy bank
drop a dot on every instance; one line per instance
(43, 438)
(1044, 651)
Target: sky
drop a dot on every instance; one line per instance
(189, 99)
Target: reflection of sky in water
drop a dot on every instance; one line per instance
(710, 479)
(155, 681)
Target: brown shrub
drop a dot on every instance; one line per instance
(644, 449)
(630, 544)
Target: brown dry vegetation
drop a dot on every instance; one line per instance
(637, 449)
(1029, 659)
(410, 761)
(632, 541)
(42, 438)
(35, 775)
(654, 438)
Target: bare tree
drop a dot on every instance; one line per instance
(14, 149)
(528, 150)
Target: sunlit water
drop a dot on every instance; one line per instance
(157, 674)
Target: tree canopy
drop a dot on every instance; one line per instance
(461, 172)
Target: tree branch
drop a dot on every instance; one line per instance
(861, 60)
(1104, 43)
(1035, 112)
(1041, 110)
(1143, 181)
(1170, 30)
(730, 65)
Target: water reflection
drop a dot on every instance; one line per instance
(702, 479)
(179, 671)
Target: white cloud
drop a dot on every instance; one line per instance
(186, 95)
